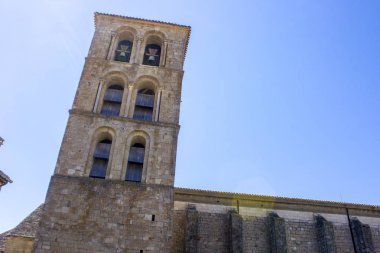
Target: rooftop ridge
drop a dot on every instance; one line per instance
(141, 19)
(250, 196)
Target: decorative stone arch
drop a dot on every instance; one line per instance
(137, 136)
(161, 35)
(154, 37)
(126, 29)
(146, 82)
(122, 33)
(112, 77)
(98, 135)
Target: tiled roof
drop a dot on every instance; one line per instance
(27, 227)
(255, 197)
(141, 19)
(4, 178)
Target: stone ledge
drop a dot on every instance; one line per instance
(123, 119)
(107, 181)
(105, 61)
(272, 202)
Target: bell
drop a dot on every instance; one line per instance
(152, 58)
(122, 54)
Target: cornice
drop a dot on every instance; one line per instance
(182, 194)
(103, 61)
(123, 119)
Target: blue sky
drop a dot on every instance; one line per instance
(279, 97)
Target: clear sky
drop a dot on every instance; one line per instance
(279, 97)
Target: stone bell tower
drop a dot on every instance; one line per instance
(112, 188)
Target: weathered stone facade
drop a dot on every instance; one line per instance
(85, 213)
(110, 214)
(207, 221)
(97, 215)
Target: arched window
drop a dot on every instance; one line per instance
(144, 105)
(101, 156)
(123, 51)
(152, 55)
(135, 163)
(112, 100)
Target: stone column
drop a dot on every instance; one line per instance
(111, 47)
(277, 234)
(100, 86)
(158, 104)
(124, 102)
(325, 235)
(235, 232)
(163, 53)
(138, 49)
(192, 237)
(128, 103)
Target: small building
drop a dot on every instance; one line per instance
(21, 238)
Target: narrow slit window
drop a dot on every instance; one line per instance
(112, 100)
(101, 157)
(135, 163)
(144, 105)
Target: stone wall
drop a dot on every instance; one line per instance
(211, 222)
(95, 215)
(18, 244)
(90, 215)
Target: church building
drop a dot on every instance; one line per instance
(113, 186)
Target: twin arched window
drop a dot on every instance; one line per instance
(152, 50)
(101, 157)
(144, 104)
(135, 163)
(112, 100)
